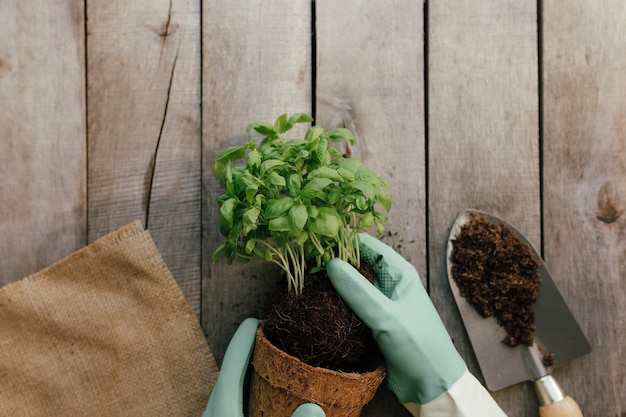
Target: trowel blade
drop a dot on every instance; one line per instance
(555, 327)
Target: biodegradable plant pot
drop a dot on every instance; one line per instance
(281, 382)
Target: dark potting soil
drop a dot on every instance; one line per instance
(320, 329)
(499, 276)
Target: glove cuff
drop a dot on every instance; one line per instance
(465, 398)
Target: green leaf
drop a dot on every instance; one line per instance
(297, 118)
(252, 185)
(250, 218)
(312, 211)
(353, 165)
(384, 198)
(367, 220)
(361, 202)
(254, 159)
(346, 174)
(227, 211)
(300, 237)
(281, 123)
(325, 172)
(278, 207)
(326, 223)
(259, 199)
(275, 178)
(250, 245)
(334, 195)
(315, 188)
(219, 252)
(335, 153)
(294, 184)
(224, 157)
(235, 186)
(295, 143)
(298, 216)
(234, 233)
(269, 164)
(341, 135)
(249, 179)
(366, 188)
(227, 179)
(263, 254)
(262, 128)
(223, 226)
(313, 133)
(380, 228)
(279, 224)
(318, 148)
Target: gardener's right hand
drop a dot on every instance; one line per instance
(227, 397)
(425, 371)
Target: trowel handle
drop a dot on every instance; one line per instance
(553, 403)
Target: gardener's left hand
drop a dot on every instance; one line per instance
(227, 397)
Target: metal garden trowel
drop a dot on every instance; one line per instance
(556, 331)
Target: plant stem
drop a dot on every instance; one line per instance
(296, 256)
(318, 245)
(283, 263)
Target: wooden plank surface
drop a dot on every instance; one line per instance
(256, 66)
(144, 127)
(42, 135)
(117, 118)
(483, 145)
(370, 79)
(585, 189)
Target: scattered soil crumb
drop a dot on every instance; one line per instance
(549, 359)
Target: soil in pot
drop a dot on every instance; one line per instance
(320, 329)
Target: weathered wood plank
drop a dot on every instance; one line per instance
(42, 135)
(256, 66)
(370, 79)
(143, 81)
(585, 189)
(483, 137)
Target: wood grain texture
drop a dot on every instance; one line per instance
(370, 79)
(97, 132)
(42, 135)
(483, 149)
(256, 66)
(585, 189)
(144, 127)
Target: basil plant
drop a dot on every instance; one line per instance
(296, 202)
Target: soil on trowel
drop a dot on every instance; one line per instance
(320, 329)
(499, 276)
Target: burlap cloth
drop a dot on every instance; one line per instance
(104, 332)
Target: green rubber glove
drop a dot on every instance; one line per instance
(227, 397)
(422, 362)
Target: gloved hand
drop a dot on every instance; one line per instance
(425, 371)
(227, 397)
